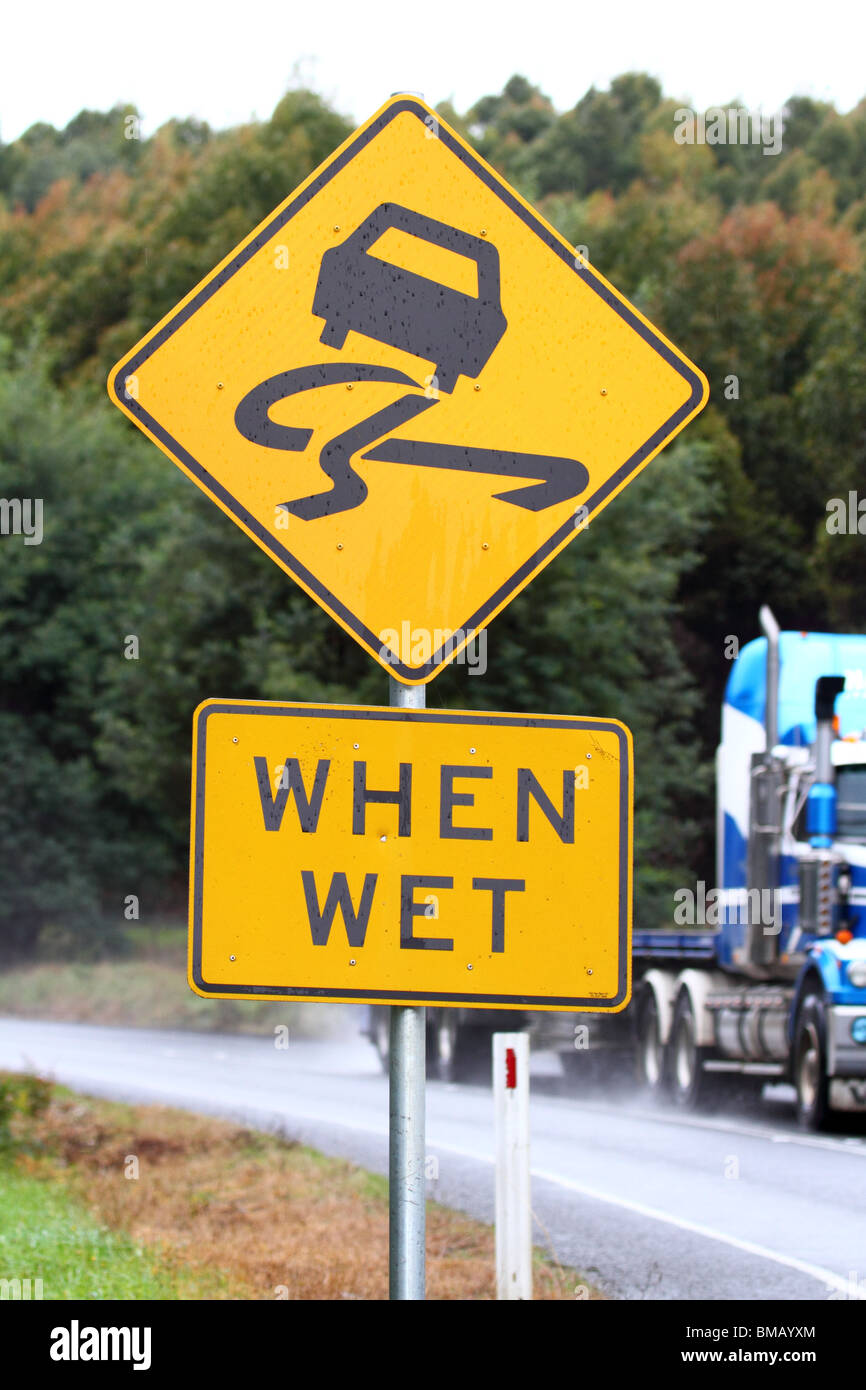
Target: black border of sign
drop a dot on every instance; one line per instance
(420, 717)
(268, 542)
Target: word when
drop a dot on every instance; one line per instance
(309, 803)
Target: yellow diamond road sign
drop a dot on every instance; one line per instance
(388, 856)
(408, 389)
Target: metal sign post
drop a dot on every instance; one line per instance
(407, 1238)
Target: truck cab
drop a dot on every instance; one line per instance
(781, 995)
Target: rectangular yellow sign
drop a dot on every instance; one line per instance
(384, 856)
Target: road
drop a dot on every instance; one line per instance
(647, 1204)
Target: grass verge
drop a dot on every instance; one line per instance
(204, 1208)
(47, 1236)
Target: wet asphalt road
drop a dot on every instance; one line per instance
(649, 1204)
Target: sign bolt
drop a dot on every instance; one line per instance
(339, 545)
(234, 740)
(336, 226)
(349, 385)
(484, 545)
(219, 386)
(469, 967)
(589, 972)
(604, 390)
(351, 962)
(232, 957)
(355, 745)
(589, 755)
(471, 750)
(483, 231)
(477, 387)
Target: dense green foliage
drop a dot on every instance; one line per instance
(752, 264)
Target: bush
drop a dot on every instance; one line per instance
(23, 1097)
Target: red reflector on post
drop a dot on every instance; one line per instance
(510, 1069)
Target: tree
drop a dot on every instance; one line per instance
(72, 842)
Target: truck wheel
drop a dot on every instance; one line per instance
(691, 1086)
(810, 1064)
(650, 1052)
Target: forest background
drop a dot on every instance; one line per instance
(752, 264)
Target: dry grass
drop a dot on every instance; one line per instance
(276, 1219)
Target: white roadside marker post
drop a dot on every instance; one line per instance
(513, 1215)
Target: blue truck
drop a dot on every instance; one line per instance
(762, 977)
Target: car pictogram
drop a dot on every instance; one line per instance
(359, 291)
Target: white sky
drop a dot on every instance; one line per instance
(225, 61)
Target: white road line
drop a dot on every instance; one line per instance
(824, 1276)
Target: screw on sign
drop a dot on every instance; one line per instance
(496, 383)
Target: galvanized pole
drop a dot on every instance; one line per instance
(407, 1065)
